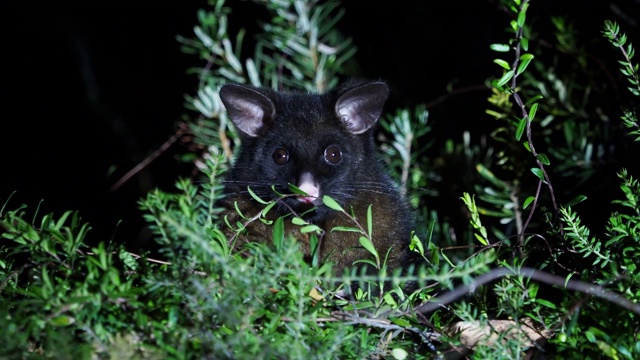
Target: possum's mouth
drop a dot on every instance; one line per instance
(308, 200)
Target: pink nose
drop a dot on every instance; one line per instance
(310, 189)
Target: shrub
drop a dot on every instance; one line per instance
(524, 274)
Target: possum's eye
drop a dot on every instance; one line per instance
(280, 156)
(332, 155)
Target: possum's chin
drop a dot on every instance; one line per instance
(302, 204)
(308, 201)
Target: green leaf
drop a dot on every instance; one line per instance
(522, 15)
(237, 207)
(489, 175)
(278, 232)
(298, 221)
(522, 125)
(367, 244)
(366, 261)
(528, 201)
(345, 229)
(331, 203)
(538, 172)
(273, 188)
(525, 59)
(481, 239)
(505, 78)
(62, 321)
(500, 47)
(543, 159)
(296, 190)
(502, 63)
(534, 99)
(546, 303)
(532, 111)
(256, 197)
(396, 320)
(576, 200)
(310, 228)
(267, 208)
(369, 221)
(416, 243)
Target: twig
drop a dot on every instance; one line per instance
(495, 274)
(136, 169)
(525, 115)
(457, 91)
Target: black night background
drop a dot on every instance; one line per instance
(89, 89)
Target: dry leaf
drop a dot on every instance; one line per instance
(473, 332)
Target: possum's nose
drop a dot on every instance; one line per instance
(307, 184)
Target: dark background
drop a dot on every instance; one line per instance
(89, 89)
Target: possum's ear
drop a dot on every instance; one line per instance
(360, 107)
(251, 111)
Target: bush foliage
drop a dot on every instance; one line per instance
(523, 275)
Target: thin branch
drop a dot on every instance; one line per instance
(525, 115)
(457, 91)
(136, 169)
(561, 282)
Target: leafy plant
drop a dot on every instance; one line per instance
(524, 273)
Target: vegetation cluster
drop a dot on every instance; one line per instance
(513, 270)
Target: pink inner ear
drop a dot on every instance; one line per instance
(349, 116)
(251, 119)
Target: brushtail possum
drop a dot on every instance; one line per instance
(324, 145)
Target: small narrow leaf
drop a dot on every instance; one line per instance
(524, 62)
(528, 201)
(522, 15)
(273, 188)
(489, 175)
(298, 221)
(367, 244)
(543, 159)
(534, 99)
(296, 190)
(369, 221)
(310, 228)
(278, 232)
(520, 129)
(331, 203)
(235, 204)
(256, 197)
(345, 229)
(532, 111)
(481, 239)
(505, 78)
(578, 199)
(502, 63)
(514, 25)
(267, 208)
(366, 261)
(500, 47)
(62, 321)
(538, 172)
(546, 303)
